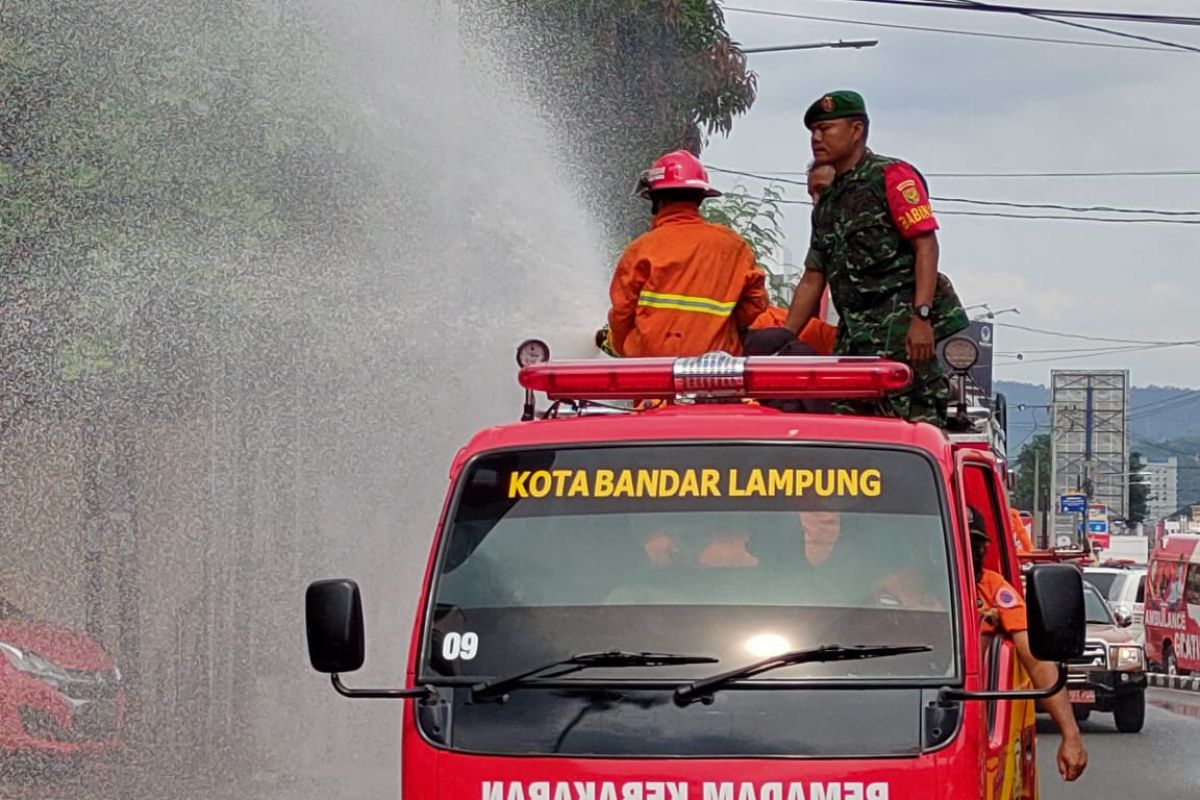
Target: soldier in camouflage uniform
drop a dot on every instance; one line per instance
(874, 244)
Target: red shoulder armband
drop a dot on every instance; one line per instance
(908, 201)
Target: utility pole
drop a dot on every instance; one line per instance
(1038, 528)
(1085, 483)
(1040, 532)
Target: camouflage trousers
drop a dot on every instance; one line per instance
(883, 333)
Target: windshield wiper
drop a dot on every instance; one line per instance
(582, 661)
(690, 692)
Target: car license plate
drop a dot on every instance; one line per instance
(1081, 695)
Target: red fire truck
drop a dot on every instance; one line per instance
(707, 598)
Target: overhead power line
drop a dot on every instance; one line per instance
(1163, 446)
(1182, 393)
(1093, 28)
(948, 31)
(1073, 350)
(1169, 404)
(1088, 337)
(1183, 216)
(1057, 217)
(1060, 207)
(1176, 403)
(1057, 359)
(1187, 394)
(1111, 174)
(1066, 13)
(1106, 174)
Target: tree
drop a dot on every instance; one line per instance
(144, 181)
(1139, 492)
(757, 219)
(1034, 457)
(624, 80)
(164, 175)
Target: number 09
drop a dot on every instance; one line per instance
(456, 646)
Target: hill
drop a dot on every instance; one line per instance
(1163, 421)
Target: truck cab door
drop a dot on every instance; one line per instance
(1010, 755)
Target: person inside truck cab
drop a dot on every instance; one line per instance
(1002, 610)
(663, 550)
(849, 560)
(687, 286)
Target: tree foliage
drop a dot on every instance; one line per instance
(1036, 450)
(1139, 492)
(625, 80)
(163, 174)
(758, 220)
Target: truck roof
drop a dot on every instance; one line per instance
(1180, 546)
(708, 422)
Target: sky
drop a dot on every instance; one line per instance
(950, 103)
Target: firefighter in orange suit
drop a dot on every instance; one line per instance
(1024, 543)
(687, 286)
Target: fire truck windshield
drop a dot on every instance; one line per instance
(737, 552)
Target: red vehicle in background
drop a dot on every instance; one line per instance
(713, 599)
(1173, 604)
(60, 692)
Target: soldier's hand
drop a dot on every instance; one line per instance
(1072, 757)
(919, 344)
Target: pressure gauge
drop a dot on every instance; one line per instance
(960, 353)
(532, 351)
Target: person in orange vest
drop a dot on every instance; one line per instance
(687, 286)
(817, 334)
(1024, 543)
(1002, 610)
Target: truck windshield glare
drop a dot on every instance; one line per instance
(735, 551)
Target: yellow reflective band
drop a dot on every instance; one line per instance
(682, 302)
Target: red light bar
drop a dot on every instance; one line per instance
(829, 378)
(625, 379)
(826, 378)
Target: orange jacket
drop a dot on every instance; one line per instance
(817, 334)
(773, 317)
(684, 288)
(994, 593)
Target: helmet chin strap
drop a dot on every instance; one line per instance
(641, 187)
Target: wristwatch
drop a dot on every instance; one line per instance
(923, 312)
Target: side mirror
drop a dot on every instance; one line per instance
(334, 621)
(1057, 618)
(1123, 620)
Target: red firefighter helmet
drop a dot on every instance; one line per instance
(677, 170)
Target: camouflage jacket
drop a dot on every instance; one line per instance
(868, 263)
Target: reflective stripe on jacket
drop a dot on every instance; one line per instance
(684, 288)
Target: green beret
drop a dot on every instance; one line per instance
(836, 105)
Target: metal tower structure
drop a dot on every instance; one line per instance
(1089, 441)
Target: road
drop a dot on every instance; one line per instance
(1159, 763)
